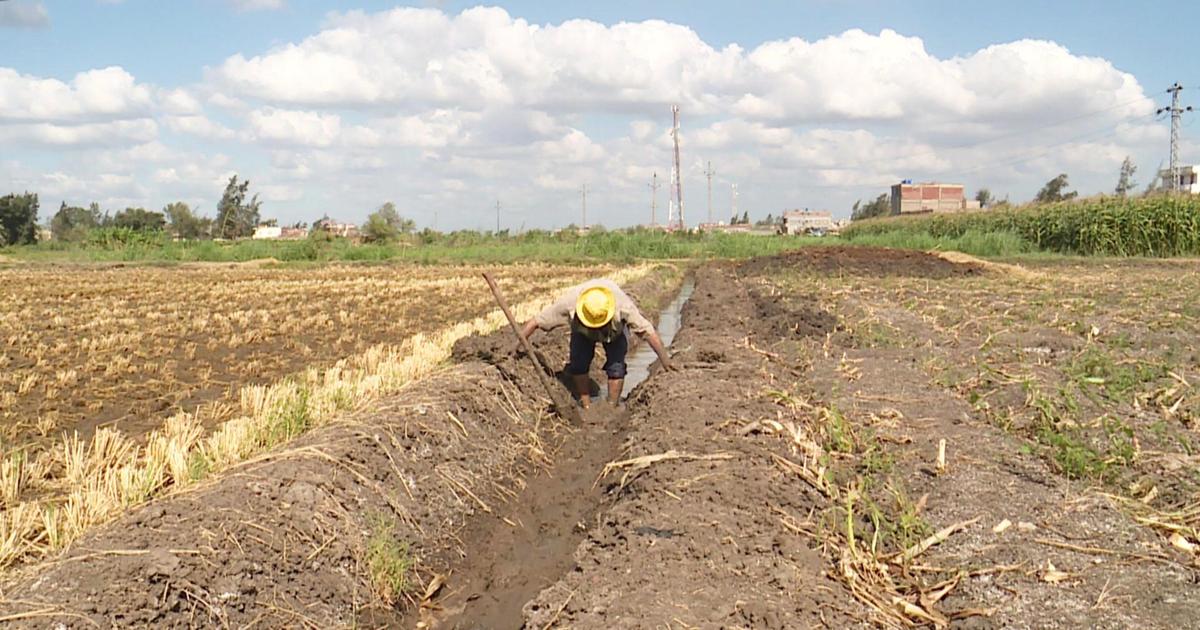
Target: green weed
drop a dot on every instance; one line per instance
(1073, 457)
(388, 560)
(839, 434)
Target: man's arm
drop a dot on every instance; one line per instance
(656, 344)
(644, 329)
(530, 327)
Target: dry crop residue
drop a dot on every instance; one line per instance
(129, 346)
(790, 475)
(345, 526)
(119, 382)
(857, 438)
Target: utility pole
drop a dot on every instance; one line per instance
(1177, 112)
(653, 199)
(678, 174)
(497, 216)
(583, 189)
(710, 172)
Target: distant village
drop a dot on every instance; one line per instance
(905, 198)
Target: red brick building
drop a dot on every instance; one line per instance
(910, 198)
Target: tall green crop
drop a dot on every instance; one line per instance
(1109, 226)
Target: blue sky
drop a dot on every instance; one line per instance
(802, 111)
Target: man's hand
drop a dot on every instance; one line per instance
(526, 331)
(664, 358)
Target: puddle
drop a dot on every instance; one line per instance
(638, 364)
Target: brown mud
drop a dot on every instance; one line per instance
(786, 477)
(532, 543)
(286, 539)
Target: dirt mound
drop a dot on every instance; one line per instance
(864, 261)
(692, 522)
(349, 523)
(294, 537)
(257, 263)
(967, 259)
(786, 477)
(748, 497)
(788, 317)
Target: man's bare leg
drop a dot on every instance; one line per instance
(615, 385)
(583, 387)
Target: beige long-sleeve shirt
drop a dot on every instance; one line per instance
(560, 312)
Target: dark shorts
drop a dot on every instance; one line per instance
(583, 350)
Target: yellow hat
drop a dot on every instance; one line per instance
(596, 307)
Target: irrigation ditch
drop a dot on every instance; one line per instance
(800, 470)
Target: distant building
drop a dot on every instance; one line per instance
(264, 232)
(293, 233)
(721, 226)
(910, 198)
(806, 222)
(1189, 179)
(346, 230)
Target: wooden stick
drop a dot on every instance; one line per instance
(564, 406)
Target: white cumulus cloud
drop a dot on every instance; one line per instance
(446, 111)
(295, 127)
(108, 92)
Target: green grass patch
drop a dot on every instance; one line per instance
(388, 560)
(430, 248)
(1118, 380)
(839, 434)
(974, 242)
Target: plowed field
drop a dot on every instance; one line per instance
(856, 438)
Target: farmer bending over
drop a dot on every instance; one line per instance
(598, 311)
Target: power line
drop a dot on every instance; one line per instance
(709, 172)
(1016, 158)
(584, 191)
(733, 203)
(653, 198)
(1019, 158)
(1008, 135)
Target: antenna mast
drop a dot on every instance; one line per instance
(677, 173)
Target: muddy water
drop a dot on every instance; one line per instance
(511, 561)
(638, 365)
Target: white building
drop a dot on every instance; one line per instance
(268, 232)
(1189, 179)
(806, 222)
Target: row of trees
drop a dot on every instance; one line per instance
(238, 215)
(18, 219)
(236, 218)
